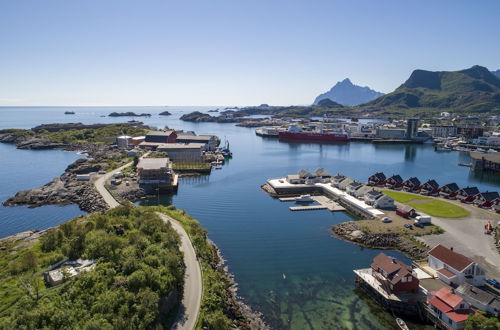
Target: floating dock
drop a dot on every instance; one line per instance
(324, 202)
(308, 208)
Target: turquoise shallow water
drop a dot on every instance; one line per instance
(260, 238)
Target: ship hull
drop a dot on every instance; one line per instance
(313, 137)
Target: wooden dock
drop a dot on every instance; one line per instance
(324, 202)
(308, 208)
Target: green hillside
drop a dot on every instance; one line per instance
(473, 90)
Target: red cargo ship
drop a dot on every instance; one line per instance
(295, 133)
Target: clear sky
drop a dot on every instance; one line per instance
(211, 52)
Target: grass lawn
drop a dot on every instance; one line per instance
(441, 209)
(402, 197)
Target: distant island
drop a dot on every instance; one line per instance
(346, 93)
(165, 113)
(128, 114)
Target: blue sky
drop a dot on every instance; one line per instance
(230, 52)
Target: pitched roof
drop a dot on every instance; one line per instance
(490, 195)
(453, 259)
(414, 180)
(477, 294)
(432, 183)
(374, 193)
(355, 184)
(161, 133)
(379, 175)
(470, 190)
(406, 208)
(322, 172)
(394, 268)
(306, 174)
(397, 178)
(452, 186)
(448, 297)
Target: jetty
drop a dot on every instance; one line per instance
(324, 202)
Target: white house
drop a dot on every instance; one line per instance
(455, 268)
(371, 196)
(361, 192)
(352, 187)
(384, 202)
(448, 310)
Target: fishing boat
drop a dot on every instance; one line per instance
(402, 324)
(69, 112)
(304, 198)
(465, 164)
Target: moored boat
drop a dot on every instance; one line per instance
(402, 324)
(304, 198)
(296, 133)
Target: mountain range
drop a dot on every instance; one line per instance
(346, 93)
(496, 73)
(473, 90)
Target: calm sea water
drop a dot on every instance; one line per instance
(286, 263)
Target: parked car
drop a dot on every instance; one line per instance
(386, 220)
(409, 226)
(493, 282)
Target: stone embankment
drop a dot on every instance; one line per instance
(350, 231)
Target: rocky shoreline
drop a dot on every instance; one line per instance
(65, 189)
(349, 231)
(242, 314)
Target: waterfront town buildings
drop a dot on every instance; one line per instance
(394, 275)
(482, 161)
(454, 268)
(155, 173)
(479, 298)
(183, 152)
(447, 309)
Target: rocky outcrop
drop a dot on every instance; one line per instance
(199, 117)
(165, 113)
(128, 114)
(350, 231)
(61, 191)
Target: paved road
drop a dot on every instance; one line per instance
(191, 301)
(101, 181)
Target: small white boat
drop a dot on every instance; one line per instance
(402, 324)
(284, 276)
(304, 198)
(491, 151)
(480, 150)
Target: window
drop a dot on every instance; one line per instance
(409, 278)
(403, 279)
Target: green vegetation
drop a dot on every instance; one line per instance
(477, 322)
(432, 207)
(157, 154)
(441, 209)
(17, 132)
(403, 197)
(138, 265)
(215, 299)
(106, 134)
(190, 166)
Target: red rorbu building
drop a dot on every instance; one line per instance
(395, 276)
(486, 199)
(406, 211)
(394, 182)
(468, 194)
(430, 188)
(377, 179)
(412, 184)
(447, 309)
(449, 190)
